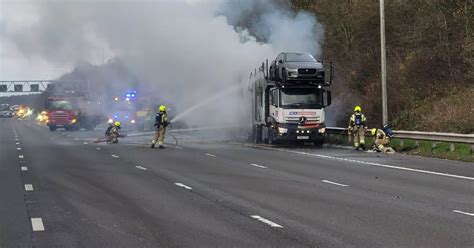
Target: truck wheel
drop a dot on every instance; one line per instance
(271, 139)
(257, 134)
(319, 144)
(52, 128)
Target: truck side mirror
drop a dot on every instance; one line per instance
(328, 100)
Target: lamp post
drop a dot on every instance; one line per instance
(384, 63)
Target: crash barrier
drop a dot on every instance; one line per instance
(436, 138)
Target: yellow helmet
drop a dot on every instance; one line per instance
(162, 108)
(117, 124)
(357, 109)
(373, 131)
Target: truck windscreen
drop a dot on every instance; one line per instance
(61, 105)
(300, 98)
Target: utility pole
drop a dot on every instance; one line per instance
(384, 63)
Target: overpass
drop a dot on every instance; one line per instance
(24, 87)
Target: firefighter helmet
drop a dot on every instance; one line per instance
(162, 108)
(357, 109)
(373, 131)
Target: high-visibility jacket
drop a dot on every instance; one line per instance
(161, 119)
(357, 120)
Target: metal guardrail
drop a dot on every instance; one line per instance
(450, 138)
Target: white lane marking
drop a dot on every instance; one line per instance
(183, 186)
(462, 212)
(259, 166)
(85, 143)
(268, 222)
(370, 163)
(24, 168)
(17, 139)
(115, 156)
(98, 148)
(141, 167)
(210, 155)
(17, 143)
(18, 148)
(76, 139)
(28, 187)
(37, 224)
(21, 156)
(338, 184)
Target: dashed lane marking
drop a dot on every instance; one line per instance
(98, 148)
(259, 166)
(24, 168)
(268, 222)
(210, 155)
(331, 182)
(140, 167)
(21, 156)
(29, 187)
(76, 139)
(18, 148)
(115, 156)
(462, 212)
(183, 186)
(85, 143)
(17, 143)
(37, 224)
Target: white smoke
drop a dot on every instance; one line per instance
(183, 51)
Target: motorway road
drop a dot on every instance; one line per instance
(59, 189)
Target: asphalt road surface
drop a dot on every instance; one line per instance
(59, 189)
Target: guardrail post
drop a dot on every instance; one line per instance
(472, 148)
(401, 143)
(452, 147)
(417, 143)
(433, 145)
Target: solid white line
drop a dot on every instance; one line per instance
(259, 166)
(268, 222)
(85, 143)
(24, 168)
(210, 155)
(339, 184)
(115, 156)
(21, 156)
(37, 224)
(183, 186)
(141, 167)
(370, 163)
(98, 148)
(28, 187)
(462, 212)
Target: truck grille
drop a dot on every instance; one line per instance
(307, 71)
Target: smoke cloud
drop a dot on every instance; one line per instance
(183, 52)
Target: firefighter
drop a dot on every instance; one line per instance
(114, 132)
(381, 140)
(161, 122)
(358, 127)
